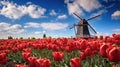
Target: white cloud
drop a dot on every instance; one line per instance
(32, 25)
(62, 16)
(80, 5)
(53, 13)
(54, 26)
(74, 7)
(47, 25)
(6, 29)
(89, 5)
(37, 32)
(116, 15)
(14, 11)
(116, 30)
(36, 11)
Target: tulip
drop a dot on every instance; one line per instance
(101, 37)
(25, 56)
(38, 63)
(114, 54)
(3, 58)
(83, 45)
(44, 62)
(82, 56)
(27, 50)
(20, 65)
(58, 56)
(32, 61)
(68, 49)
(103, 49)
(88, 52)
(75, 62)
(15, 50)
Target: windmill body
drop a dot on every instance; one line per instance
(82, 27)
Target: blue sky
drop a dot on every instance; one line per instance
(33, 18)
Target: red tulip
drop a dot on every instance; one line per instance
(75, 62)
(82, 56)
(39, 63)
(108, 49)
(25, 56)
(58, 56)
(44, 62)
(101, 37)
(20, 65)
(3, 58)
(88, 52)
(83, 45)
(15, 50)
(55, 47)
(68, 49)
(114, 54)
(103, 50)
(27, 50)
(32, 61)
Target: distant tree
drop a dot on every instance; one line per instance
(10, 37)
(44, 35)
(33, 38)
(21, 38)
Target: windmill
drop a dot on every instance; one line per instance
(82, 27)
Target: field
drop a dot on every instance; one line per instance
(103, 51)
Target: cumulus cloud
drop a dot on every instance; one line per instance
(37, 32)
(73, 7)
(40, 32)
(116, 15)
(32, 25)
(47, 25)
(116, 30)
(89, 5)
(82, 5)
(53, 13)
(54, 26)
(62, 16)
(15, 11)
(6, 29)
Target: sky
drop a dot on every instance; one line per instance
(33, 18)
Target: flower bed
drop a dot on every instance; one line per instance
(61, 52)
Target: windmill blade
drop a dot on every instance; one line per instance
(72, 26)
(92, 28)
(93, 17)
(77, 16)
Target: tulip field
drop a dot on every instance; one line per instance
(102, 51)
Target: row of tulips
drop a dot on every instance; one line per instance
(103, 51)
